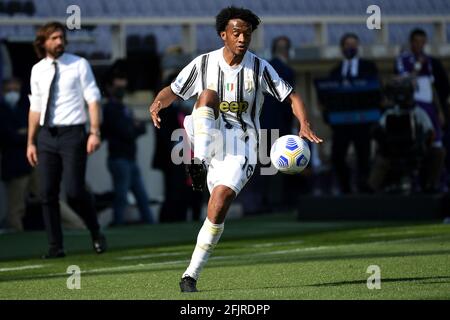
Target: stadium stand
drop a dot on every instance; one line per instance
(169, 34)
(153, 8)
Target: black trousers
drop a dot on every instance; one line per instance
(62, 155)
(343, 136)
(179, 196)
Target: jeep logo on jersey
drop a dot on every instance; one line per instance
(234, 106)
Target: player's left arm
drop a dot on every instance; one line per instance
(299, 111)
(94, 141)
(92, 96)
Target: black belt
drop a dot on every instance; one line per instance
(63, 129)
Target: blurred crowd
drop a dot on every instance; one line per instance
(400, 142)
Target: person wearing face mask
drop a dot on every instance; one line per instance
(13, 141)
(121, 130)
(352, 67)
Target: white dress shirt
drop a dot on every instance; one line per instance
(353, 64)
(74, 85)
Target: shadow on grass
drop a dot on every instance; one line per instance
(384, 280)
(267, 260)
(252, 288)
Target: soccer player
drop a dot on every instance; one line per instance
(230, 83)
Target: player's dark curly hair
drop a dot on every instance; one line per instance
(230, 13)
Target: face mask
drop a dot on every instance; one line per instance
(119, 93)
(350, 53)
(11, 98)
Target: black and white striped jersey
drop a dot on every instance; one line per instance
(240, 88)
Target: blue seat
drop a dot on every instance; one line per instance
(336, 31)
(399, 33)
(298, 34)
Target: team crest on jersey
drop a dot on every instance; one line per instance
(229, 87)
(248, 85)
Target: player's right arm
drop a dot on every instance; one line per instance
(163, 99)
(33, 126)
(33, 118)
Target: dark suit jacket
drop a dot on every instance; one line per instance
(13, 145)
(366, 69)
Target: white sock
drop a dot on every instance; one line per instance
(207, 239)
(204, 123)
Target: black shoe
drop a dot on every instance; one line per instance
(198, 171)
(188, 284)
(99, 243)
(54, 254)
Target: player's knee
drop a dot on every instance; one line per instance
(209, 98)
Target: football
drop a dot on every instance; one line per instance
(290, 154)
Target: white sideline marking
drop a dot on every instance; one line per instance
(129, 267)
(271, 244)
(36, 266)
(245, 255)
(151, 255)
(393, 233)
(350, 245)
(168, 254)
(142, 266)
(136, 266)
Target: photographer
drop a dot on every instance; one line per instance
(405, 135)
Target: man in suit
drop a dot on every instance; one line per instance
(352, 66)
(58, 144)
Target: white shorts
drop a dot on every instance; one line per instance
(233, 161)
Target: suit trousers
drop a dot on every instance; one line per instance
(343, 136)
(62, 156)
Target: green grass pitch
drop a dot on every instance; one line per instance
(267, 257)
